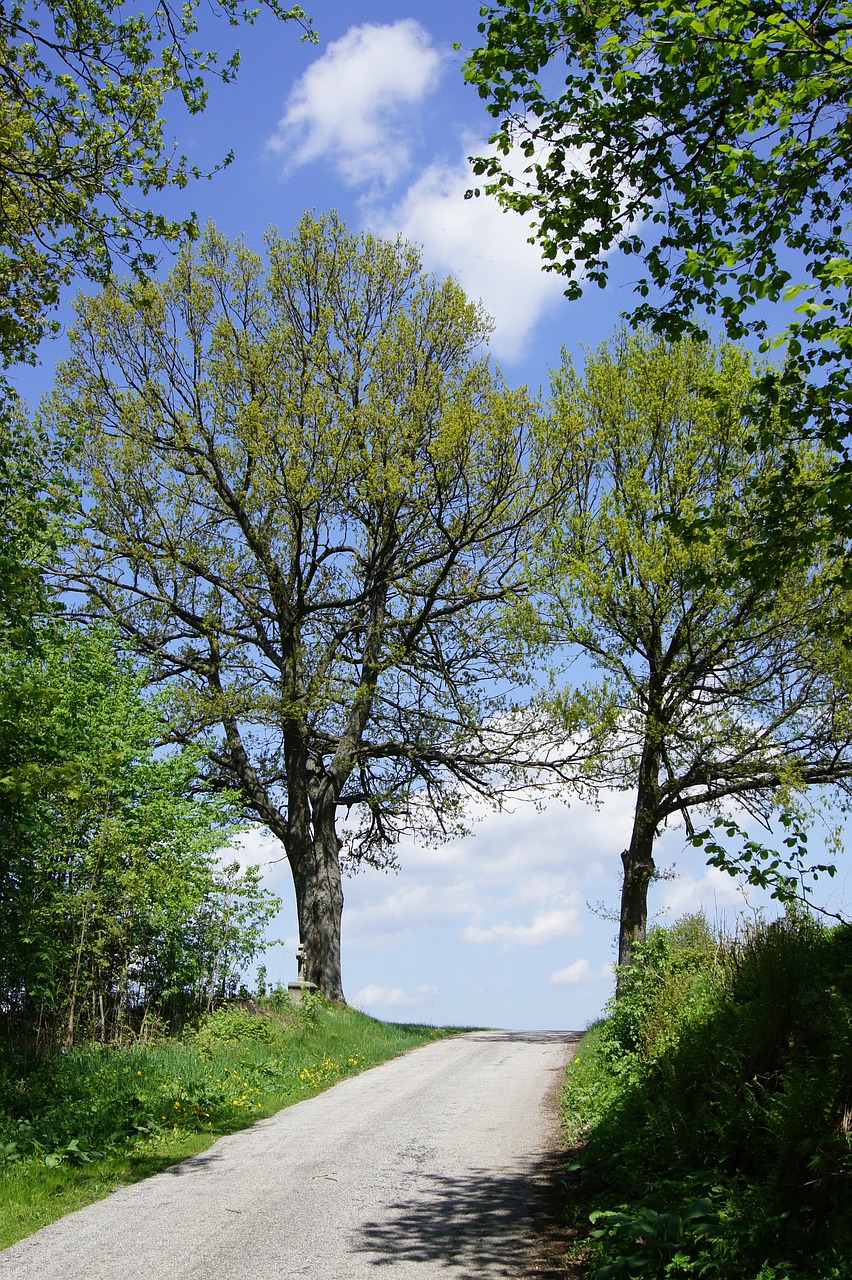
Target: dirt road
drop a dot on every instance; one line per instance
(437, 1164)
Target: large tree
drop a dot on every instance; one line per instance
(710, 693)
(711, 142)
(309, 495)
(82, 143)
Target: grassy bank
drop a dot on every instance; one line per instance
(712, 1110)
(75, 1125)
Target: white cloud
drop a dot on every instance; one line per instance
(519, 880)
(712, 893)
(347, 105)
(389, 918)
(396, 997)
(546, 926)
(579, 971)
(355, 107)
(541, 846)
(485, 248)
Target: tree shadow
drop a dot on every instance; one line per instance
(200, 1163)
(486, 1223)
(527, 1037)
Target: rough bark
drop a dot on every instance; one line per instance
(638, 857)
(319, 904)
(638, 862)
(308, 833)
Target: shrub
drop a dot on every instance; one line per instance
(234, 1025)
(669, 979)
(716, 1101)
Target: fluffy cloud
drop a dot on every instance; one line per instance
(579, 971)
(689, 894)
(530, 849)
(546, 926)
(355, 107)
(348, 106)
(395, 997)
(486, 249)
(382, 918)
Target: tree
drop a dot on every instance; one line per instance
(712, 141)
(310, 496)
(81, 91)
(710, 693)
(37, 499)
(113, 905)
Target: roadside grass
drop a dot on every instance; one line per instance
(76, 1125)
(711, 1112)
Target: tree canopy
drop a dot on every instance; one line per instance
(38, 495)
(309, 499)
(711, 142)
(82, 141)
(713, 689)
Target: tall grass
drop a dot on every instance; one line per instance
(714, 1108)
(74, 1125)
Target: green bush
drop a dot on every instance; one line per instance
(234, 1026)
(716, 1106)
(669, 981)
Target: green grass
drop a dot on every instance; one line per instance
(76, 1125)
(712, 1110)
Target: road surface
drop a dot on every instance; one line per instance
(440, 1163)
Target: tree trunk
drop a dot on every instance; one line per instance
(319, 903)
(313, 850)
(638, 861)
(309, 836)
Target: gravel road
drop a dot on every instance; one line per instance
(439, 1163)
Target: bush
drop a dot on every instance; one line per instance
(669, 980)
(716, 1106)
(235, 1026)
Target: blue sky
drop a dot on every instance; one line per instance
(376, 122)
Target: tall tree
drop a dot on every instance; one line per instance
(309, 499)
(711, 142)
(82, 87)
(710, 693)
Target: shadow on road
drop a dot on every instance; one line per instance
(527, 1037)
(484, 1224)
(196, 1164)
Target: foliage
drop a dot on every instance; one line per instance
(785, 873)
(233, 1025)
(710, 687)
(706, 139)
(82, 88)
(309, 499)
(37, 498)
(718, 1144)
(710, 141)
(115, 909)
(73, 1124)
(661, 987)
